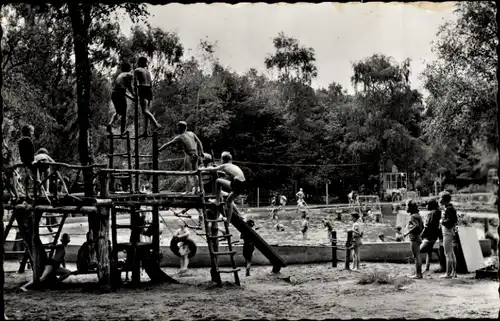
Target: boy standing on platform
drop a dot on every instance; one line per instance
(193, 150)
(142, 80)
(119, 96)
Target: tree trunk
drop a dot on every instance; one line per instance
(80, 20)
(2, 276)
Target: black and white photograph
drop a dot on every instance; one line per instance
(204, 161)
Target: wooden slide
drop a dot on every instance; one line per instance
(239, 223)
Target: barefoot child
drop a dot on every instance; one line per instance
(119, 96)
(357, 235)
(182, 234)
(193, 150)
(235, 182)
(415, 227)
(142, 80)
(248, 248)
(53, 265)
(305, 227)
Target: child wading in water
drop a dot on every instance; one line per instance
(305, 227)
(357, 235)
(399, 237)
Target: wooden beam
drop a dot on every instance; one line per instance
(149, 172)
(61, 209)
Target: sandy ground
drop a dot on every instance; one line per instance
(315, 292)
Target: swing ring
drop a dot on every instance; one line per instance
(174, 246)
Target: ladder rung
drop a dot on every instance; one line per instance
(214, 221)
(49, 225)
(144, 211)
(15, 252)
(17, 240)
(225, 253)
(145, 155)
(46, 244)
(229, 271)
(220, 236)
(47, 215)
(213, 204)
(45, 234)
(117, 136)
(121, 176)
(183, 215)
(194, 227)
(118, 155)
(130, 226)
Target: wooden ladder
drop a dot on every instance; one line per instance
(56, 234)
(212, 241)
(128, 154)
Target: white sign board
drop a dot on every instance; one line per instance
(471, 248)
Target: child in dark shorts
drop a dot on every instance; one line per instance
(248, 248)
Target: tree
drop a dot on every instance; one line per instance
(462, 82)
(292, 61)
(384, 124)
(2, 236)
(82, 17)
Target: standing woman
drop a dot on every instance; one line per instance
(448, 224)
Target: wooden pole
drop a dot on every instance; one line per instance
(101, 223)
(156, 189)
(136, 143)
(129, 162)
(333, 235)
(2, 236)
(326, 187)
(348, 250)
(110, 159)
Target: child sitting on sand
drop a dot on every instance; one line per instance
(356, 243)
(399, 235)
(305, 227)
(182, 234)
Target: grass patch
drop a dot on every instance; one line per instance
(383, 277)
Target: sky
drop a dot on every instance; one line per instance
(339, 33)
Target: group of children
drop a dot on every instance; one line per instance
(440, 225)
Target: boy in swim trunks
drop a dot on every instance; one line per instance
(53, 265)
(119, 96)
(142, 80)
(235, 182)
(300, 195)
(356, 243)
(193, 150)
(248, 248)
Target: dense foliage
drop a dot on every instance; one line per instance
(284, 133)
